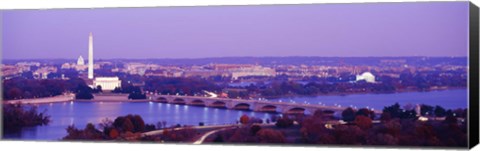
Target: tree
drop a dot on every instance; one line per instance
(127, 125)
(98, 89)
(106, 123)
(118, 122)
(83, 92)
(426, 109)
(113, 134)
(21, 88)
(363, 122)
(349, 134)
(348, 115)
(382, 139)
(408, 114)
(88, 133)
(117, 90)
(254, 129)
(284, 122)
(138, 123)
(318, 113)
(313, 128)
(132, 123)
(244, 119)
(270, 136)
(149, 127)
(137, 95)
(17, 116)
(14, 93)
(253, 120)
(439, 111)
(393, 110)
(366, 112)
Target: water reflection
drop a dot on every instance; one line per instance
(80, 113)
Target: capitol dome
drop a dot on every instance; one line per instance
(367, 76)
(80, 61)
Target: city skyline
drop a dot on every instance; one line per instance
(326, 74)
(419, 29)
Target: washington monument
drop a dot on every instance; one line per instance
(90, 56)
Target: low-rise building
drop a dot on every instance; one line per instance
(107, 83)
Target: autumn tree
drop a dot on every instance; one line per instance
(270, 136)
(313, 129)
(244, 119)
(350, 134)
(254, 129)
(363, 122)
(17, 116)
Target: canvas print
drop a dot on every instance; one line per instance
(365, 74)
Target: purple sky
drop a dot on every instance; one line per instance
(374, 29)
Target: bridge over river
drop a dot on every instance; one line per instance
(243, 104)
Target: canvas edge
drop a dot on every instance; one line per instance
(473, 108)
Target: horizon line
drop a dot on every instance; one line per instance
(170, 58)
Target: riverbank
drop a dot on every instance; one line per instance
(124, 100)
(71, 97)
(54, 99)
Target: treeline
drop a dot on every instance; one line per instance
(17, 116)
(251, 132)
(166, 85)
(21, 88)
(129, 128)
(423, 80)
(182, 86)
(291, 88)
(391, 132)
(134, 92)
(398, 127)
(122, 128)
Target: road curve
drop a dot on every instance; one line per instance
(158, 132)
(204, 136)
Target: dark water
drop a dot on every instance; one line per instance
(81, 113)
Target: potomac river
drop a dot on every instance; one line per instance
(80, 113)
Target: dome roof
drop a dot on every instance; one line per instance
(367, 76)
(80, 61)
